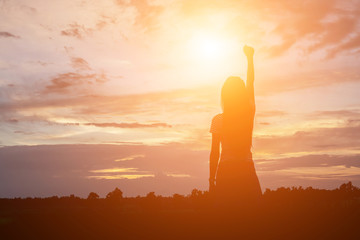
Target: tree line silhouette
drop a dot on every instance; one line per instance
(284, 213)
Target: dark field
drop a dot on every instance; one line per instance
(286, 213)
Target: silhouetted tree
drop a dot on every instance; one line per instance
(347, 187)
(196, 193)
(151, 195)
(117, 194)
(93, 196)
(281, 214)
(177, 196)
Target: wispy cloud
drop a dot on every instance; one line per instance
(311, 140)
(119, 173)
(306, 25)
(8, 35)
(66, 81)
(273, 113)
(327, 23)
(80, 63)
(309, 161)
(115, 170)
(349, 114)
(178, 175)
(129, 125)
(121, 176)
(165, 170)
(129, 158)
(92, 168)
(146, 16)
(306, 80)
(76, 30)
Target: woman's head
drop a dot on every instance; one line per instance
(234, 97)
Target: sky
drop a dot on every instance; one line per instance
(102, 94)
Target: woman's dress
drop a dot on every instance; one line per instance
(236, 179)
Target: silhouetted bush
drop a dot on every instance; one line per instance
(115, 195)
(93, 196)
(284, 213)
(151, 195)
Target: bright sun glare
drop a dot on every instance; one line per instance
(208, 47)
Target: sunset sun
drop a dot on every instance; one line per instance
(205, 47)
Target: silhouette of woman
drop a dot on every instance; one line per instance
(236, 179)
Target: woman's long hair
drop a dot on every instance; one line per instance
(237, 114)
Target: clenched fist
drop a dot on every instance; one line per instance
(249, 51)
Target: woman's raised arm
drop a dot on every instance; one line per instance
(249, 52)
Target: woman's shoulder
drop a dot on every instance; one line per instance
(216, 123)
(217, 117)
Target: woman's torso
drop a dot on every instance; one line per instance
(237, 146)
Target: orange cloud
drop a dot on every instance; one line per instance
(76, 30)
(312, 140)
(146, 15)
(350, 114)
(128, 125)
(322, 24)
(66, 81)
(274, 113)
(79, 63)
(349, 44)
(164, 169)
(305, 80)
(8, 35)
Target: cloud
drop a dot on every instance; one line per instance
(24, 132)
(325, 171)
(304, 80)
(181, 175)
(274, 113)
(172, 100)
(79, 63)
(69, 169)
(119, 173)
(305, 25)
(131, 157)
(312, 140)
(76, 30)
(8, 35)
(309, 161)
(115, 170)
(146, 15)
(78, 81)
(66, 81)
(352, 43)
(12, 120)
(28, 9)
(128, 125)
(322, 23)
(121, 176)
(336, 31)
(29, 170)
(350, 115)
